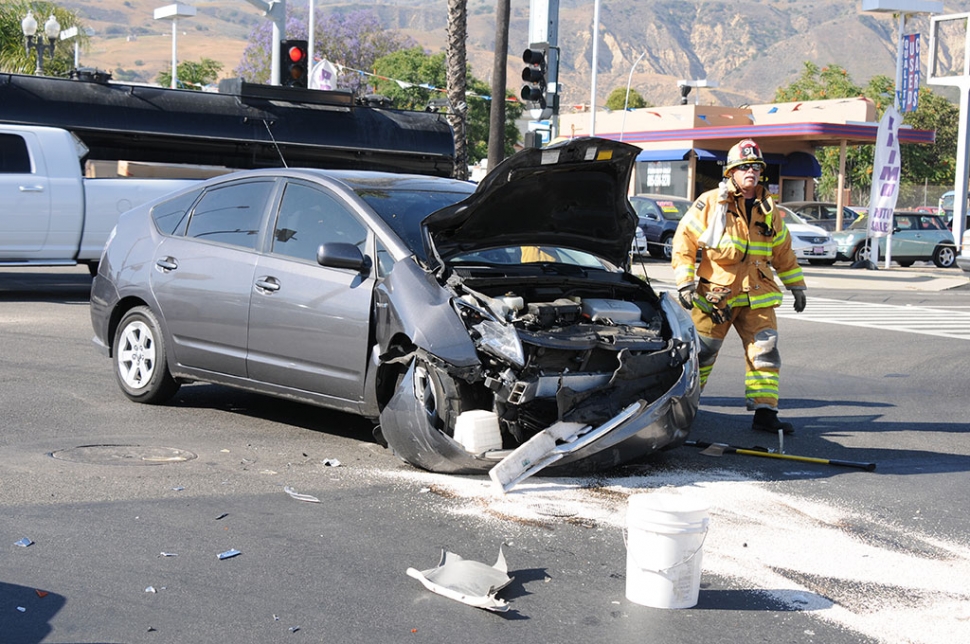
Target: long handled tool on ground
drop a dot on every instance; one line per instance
(717, 449)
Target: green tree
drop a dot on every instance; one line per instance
(415, 80)
(618, 99)
(13, 56)
(191, 75)
(933, 164)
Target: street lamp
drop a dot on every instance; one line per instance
(626, 101)
(173, 12)
(52, 30)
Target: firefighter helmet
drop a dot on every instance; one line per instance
(745, 151)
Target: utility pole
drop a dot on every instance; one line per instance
(275, 10)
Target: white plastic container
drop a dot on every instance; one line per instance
(477, 431)
(664, 550)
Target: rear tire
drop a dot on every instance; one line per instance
(140, 361)
(944, 256)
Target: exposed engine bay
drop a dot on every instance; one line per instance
(561, 350)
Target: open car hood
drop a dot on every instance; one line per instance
(569, 195)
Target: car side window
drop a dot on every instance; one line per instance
(930, 223)
(648, 208)
(904, 223)
(231, 214)
(170, 216)
(309, 217)
(14, 157)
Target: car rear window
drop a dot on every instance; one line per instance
(231, 214)
(170, 216)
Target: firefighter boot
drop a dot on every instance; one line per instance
(766, 420)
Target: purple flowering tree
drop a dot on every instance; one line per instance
(354, 39)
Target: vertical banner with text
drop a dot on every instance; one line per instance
(886, 167)
(909, 87)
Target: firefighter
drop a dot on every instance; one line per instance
(742, 238)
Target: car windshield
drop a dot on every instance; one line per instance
(793, 216)
(668, 208)
(403, 210)
(530, 255)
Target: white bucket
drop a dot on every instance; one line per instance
(664, 549)
(477, 431)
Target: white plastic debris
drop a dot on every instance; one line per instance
(151, 589)
(331, 462)
(23, 543)
(300, 497)
(168, 554)
(228, 554)
(469, 582)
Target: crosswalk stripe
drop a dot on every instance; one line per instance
(885, 317)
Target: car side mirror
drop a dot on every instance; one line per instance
(343, 255)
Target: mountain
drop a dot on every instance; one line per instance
(749, 47)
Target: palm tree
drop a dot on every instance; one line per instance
(456, 81)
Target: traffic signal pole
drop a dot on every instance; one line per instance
(544, 34)
(275, 10)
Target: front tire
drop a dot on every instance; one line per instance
(140, 361)
(861, 253)
(944, 256)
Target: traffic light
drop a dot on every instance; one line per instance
(293, 63)
(534, 75)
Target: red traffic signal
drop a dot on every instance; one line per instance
(294, 59)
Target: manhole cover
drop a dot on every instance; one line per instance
(123, 455)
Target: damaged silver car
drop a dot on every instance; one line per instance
(467, 322)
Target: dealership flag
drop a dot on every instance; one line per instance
(885, 175)
(323, 75)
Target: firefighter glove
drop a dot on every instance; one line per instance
(722, 315)
(685, 295)
(799, 299)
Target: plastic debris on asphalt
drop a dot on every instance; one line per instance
(300, 497)
(151, 589)
(23, 543)
(331, 462)
(168, 554)
(222, 516)
(228, 554)
(469, 582)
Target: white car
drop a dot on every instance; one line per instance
(963, 259)
(808, 241)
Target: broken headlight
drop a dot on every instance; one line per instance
(501, 341)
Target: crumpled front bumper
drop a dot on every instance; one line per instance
(650, 427)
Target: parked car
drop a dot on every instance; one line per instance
(659, 216)
(823, 214)
(916, 237)
(809, 242)
(412, 301)
(963, 259)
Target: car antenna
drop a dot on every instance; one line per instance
(275, 144)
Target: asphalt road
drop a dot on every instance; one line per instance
(797, 552)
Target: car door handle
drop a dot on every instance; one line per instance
(268, 284)
(166, 264)
(31, 188)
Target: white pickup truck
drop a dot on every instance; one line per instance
(50, 213)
